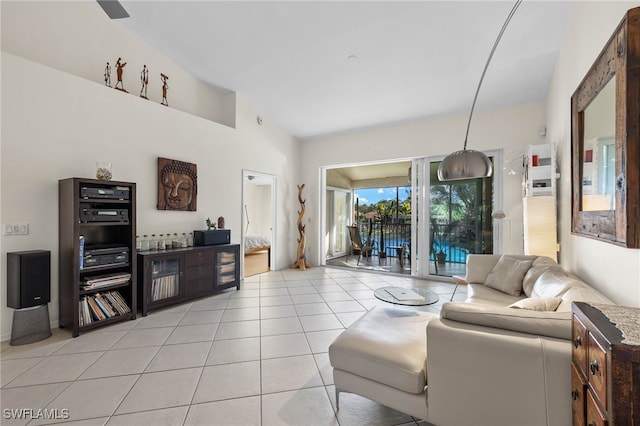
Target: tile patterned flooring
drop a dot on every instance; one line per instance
(257, 356)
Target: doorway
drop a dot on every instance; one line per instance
(372, 198)
(258, 222)
(442, 224)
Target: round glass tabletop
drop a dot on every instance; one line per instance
(406, 296)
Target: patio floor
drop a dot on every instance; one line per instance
(391, 265)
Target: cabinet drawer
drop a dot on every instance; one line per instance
(196, 273)
(594, 415)
(578, 400)
(579, 342)
(196, 288)
(597, 370)
(202, 257)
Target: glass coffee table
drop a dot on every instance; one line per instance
(406, 296)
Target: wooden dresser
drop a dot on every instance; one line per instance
(605, 367)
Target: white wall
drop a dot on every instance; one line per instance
(79, 38)
(511, 129)
(56, 125)
(613, 270)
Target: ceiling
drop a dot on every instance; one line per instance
(376, 171)
(320, 68)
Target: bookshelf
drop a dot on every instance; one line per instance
(97, 268)
(540, 170)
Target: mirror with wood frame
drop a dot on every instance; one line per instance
(605, 133)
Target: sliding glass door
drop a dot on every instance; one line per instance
(453, 219)
(337, 214)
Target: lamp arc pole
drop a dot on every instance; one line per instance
(467, 164)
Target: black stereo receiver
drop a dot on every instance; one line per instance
(92, 214)
(111, 193)
(105, 255)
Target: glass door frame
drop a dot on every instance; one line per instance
(420, 211)
(331, 236)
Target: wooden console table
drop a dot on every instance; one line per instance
(176, 275)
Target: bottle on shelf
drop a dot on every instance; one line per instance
(144, 244)
(153, 243)
(162, 243)
(190, 240)
(138, 243)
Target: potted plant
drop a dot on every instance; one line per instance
(439, 233)
(382, 217)
(385, 212)
(381, 253)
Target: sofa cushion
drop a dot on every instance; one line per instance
(480, 293)
(539, 265)
(537, 303)
(507, 275)
(551, 324)
(581, 294)
(387, 345)
(554, 282)
(479, 266)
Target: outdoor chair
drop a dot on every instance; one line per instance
(357, 246)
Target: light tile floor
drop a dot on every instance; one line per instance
(257, 356)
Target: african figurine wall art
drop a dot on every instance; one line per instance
(144, 82)
(119, 71)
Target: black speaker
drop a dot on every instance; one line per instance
(28, 278)
(212, 237)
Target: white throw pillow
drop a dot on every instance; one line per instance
(507, 275)
(538, 303)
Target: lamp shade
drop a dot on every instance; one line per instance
(465, 164)
(540, 226)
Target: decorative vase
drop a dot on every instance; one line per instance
(103, 170)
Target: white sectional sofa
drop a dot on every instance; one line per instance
(502, 357)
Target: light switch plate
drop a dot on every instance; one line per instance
(16, 229)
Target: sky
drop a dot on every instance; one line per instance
(373, 195)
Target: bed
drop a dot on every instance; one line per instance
(256, 243)
(257, 255)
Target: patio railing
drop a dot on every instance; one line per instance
(455, 241)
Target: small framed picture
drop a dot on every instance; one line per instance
(588, 156)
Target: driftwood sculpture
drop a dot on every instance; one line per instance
(301, 260)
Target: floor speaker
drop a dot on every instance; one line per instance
(28, 278)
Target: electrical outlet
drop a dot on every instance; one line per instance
(16, 229)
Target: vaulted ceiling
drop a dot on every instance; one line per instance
(319, 68)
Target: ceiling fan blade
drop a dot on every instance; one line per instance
(113, 8)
